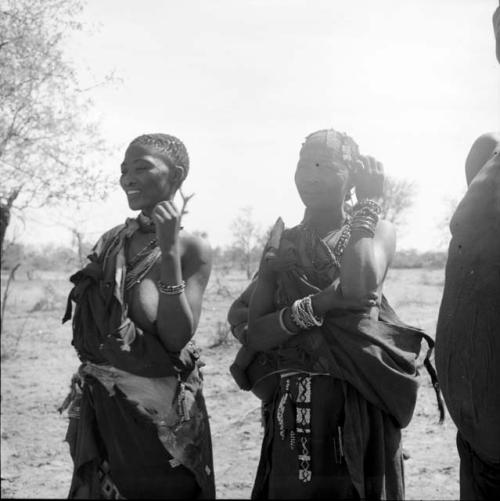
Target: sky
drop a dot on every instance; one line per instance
(243, 82)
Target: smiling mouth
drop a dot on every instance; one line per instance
(311, 193)
(132, 192)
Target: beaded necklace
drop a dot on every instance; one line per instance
(141, 263)
(340, 237)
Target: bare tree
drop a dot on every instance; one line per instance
(49, 148)
(247, 236)
(399, 196)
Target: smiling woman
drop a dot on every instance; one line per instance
(138, 423)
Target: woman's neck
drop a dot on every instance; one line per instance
(324, 220)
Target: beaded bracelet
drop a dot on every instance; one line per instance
(283, 325)
(368, 204)
(302, 314)
(365, 217)
(364, 224)
(307, 302)
(171, 290)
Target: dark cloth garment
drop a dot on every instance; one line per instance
(134, 407)
(479, 479)
(277, 476)
(468, 328)
(102, 331)
(373, 359)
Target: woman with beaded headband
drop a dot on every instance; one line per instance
(333, 364)
(138, 423)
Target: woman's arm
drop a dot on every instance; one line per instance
(238, 313)
(264, 328)
(368, 254)
(366, 261)
(178, 314)
(268, 328)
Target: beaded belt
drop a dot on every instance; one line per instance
(297, 421)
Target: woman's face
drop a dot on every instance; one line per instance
(146, 177)
(320, 180)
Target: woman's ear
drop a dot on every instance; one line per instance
(178, 175)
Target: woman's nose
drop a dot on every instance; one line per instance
(127, 180)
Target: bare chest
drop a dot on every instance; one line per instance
(143, 299)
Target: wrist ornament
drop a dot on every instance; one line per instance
(302, 314)
(365, 217)
(283, 326)
(171, 290)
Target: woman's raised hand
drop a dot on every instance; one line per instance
(167, 222)
(368, 178)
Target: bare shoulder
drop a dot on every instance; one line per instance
(196, 250)
(385, 235)
(385, 229)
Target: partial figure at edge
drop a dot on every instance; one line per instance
(468, 329)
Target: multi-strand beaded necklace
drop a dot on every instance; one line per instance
(139, 266)
(332, 245)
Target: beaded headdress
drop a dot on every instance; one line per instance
(341, 146)
(172, 146)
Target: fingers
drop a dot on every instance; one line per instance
(368, 164)
(373, 165)
(370, 299)
(165, 211)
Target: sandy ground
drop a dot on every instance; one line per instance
(38, 361)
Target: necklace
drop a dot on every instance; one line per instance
(342, 237)
(146, 224)
(141, 263)
(333, 244)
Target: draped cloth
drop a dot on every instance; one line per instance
(130, 393)
(375, 358)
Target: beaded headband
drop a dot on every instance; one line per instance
(340, 145)
(172, 146)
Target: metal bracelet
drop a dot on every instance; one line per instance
(171, 290)
(283, 325)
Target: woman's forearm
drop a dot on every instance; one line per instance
(175, 325)
(266, 329)
(359, 270)
(366, 260)
(269, 331)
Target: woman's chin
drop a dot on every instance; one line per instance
(134, 205)
(322, 205)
